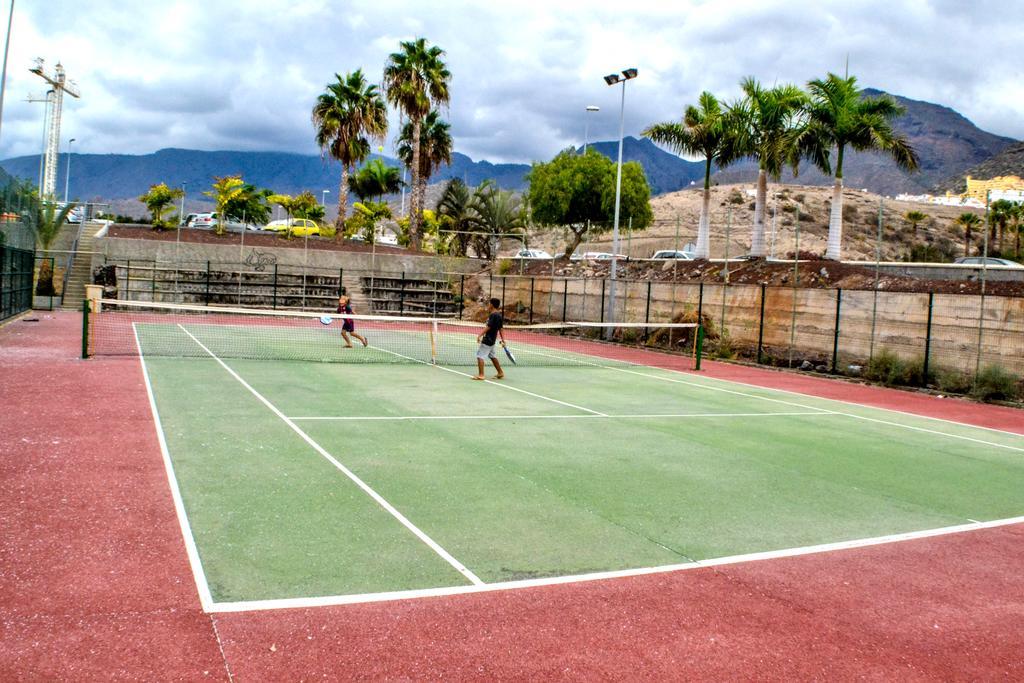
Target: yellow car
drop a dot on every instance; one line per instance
(299, 227)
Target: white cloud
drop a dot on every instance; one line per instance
(219, 75)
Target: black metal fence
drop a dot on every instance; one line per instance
(16, 273)
(831, 330)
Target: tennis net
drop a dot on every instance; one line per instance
(131, 328)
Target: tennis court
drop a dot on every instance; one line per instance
(390, 474)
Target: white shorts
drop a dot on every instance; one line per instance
(485, 352)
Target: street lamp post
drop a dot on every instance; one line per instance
(586, 123)
(323, 198)
(67, 172)
(613, 79)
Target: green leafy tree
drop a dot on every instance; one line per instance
(495, 215)
(248, 205)
(416, 79)
(768, 128)
(708, 130)
(374, 180)
(968, 222)
(838, 117)
(346, 116)
(435, 147)
(914, 218)
(158, 199)
(577, 192)
(456, 209)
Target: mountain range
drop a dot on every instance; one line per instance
(948, 145)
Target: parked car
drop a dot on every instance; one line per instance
(987, 261)
(297, 226)
(533, 254)
(608, 256)
(209, 221)
(672, 254)
(187, 222)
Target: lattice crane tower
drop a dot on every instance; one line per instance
(60, 85)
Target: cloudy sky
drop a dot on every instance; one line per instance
(211, 74)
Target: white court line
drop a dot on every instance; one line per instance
(420, 534)
(709, 387)
(205, 598)
(497, 384)
(548, 417)
(324, 601)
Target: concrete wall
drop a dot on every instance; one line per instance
(192, 254)
(894, 321)
(945, 271)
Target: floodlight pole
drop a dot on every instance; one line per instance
(614, 79)
(3, 76)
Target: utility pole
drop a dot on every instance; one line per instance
(60, 84)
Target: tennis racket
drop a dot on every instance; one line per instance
(508, 352)
(326, 320)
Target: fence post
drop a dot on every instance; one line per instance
(700, 304)
(490, 285)
(647, 310)
(565, 296)
(152, 282)
(128, 280)
(760, 325)
(462, 295)
(603, 282)
(927, 340)
(504, 279)
(401, 295)
(835, 333)
(341, 277)
(274, 295)
(207, 282)
(531, 299)
(85, 328)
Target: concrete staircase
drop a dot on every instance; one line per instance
(81, 268)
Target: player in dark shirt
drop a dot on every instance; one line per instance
(348, 325)
(487, 339)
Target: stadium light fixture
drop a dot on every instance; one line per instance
(614, 79)
(586, 131)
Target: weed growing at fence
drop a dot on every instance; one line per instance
(891, 370)
(995, 384)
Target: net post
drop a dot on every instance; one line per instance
(700, 304)
(647, 311)
(128, 280)
(531, 299)
(433, 342)
(565, 296)
(835, 333)
(698, 347)
(462, 295)
(927, 340)
(603, 282)
(85, 328)
(273, 298)
(760, 326)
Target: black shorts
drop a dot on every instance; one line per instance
(348, 325)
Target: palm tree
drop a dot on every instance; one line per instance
(345, 115)
(45, 219)
(435, 147)
(839, 116)
(1016, 216)
(456, 208)
(914, 218)
(967, 221)
(768, 129)
(225, 190)
(706, 129)
(1000, 214)
(497, 214)
(374, 180)
(416, 79)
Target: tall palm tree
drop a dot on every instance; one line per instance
(839, 116)
(769, 128)
(456, 207)
(435, 148)
(346, 116)
(1000, 214)
(415, 80)
(967, 221)
(706, 129)
(914, 218)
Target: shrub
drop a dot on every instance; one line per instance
(891, 370)
(849, 212)
(954, 382)
(799, 198)
(505, 267)
(736, 197)
(995, 384)
(328, 230)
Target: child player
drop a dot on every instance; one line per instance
(348, 325)
(487, 339)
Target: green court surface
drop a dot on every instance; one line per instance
(555, 471)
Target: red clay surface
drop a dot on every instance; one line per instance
(95, 584)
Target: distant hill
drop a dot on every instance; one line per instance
(946, 142)
(665, 172)
(1008, 162)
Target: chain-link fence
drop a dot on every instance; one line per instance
(830, 330)
(16, 272)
